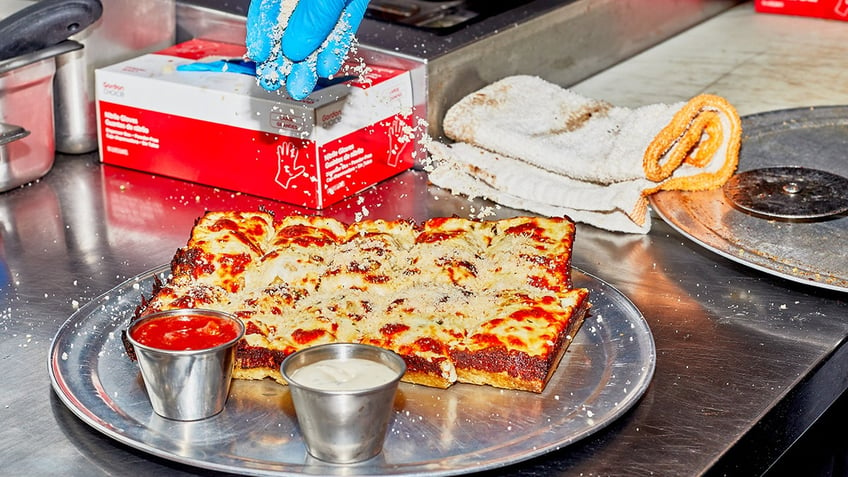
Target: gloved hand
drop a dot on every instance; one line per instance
(297, 49)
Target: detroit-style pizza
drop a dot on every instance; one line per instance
(468, 301)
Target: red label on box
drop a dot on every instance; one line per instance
(201, 151)
(255, 162)
(833, 9)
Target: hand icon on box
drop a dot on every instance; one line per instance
(841, 8)
(399, 138)
(287, 167)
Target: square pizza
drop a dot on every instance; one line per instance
(460, 300)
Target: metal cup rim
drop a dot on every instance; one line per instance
(186, 311)
(391, 355)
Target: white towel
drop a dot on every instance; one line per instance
(526, 143)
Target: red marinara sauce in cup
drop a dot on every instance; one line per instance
(186, 331)
(186, 358)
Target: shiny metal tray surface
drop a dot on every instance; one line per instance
(434, 432)
(811, 252)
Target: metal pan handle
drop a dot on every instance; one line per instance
(45, 23)
(10, 133)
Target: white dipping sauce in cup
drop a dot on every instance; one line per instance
(344, 374)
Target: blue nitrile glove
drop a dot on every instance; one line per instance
(313, 42)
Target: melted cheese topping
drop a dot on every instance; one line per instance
(451, 285)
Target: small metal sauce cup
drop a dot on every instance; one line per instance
(343, 426)
(187, 385)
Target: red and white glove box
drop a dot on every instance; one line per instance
(833, 9)
(223, 130)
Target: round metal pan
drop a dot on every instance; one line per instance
(433, 432)
(811, 251)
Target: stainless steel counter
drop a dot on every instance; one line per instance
(745, 361)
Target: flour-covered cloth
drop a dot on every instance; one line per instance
(526, 143)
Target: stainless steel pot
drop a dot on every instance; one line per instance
(31, 37)
(27, 142)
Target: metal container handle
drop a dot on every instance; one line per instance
(10, 133)
(45, 23)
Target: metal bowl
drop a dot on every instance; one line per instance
(187, 385)
(343, 424)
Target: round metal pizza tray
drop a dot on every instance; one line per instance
(462, 429)
(805, 251)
